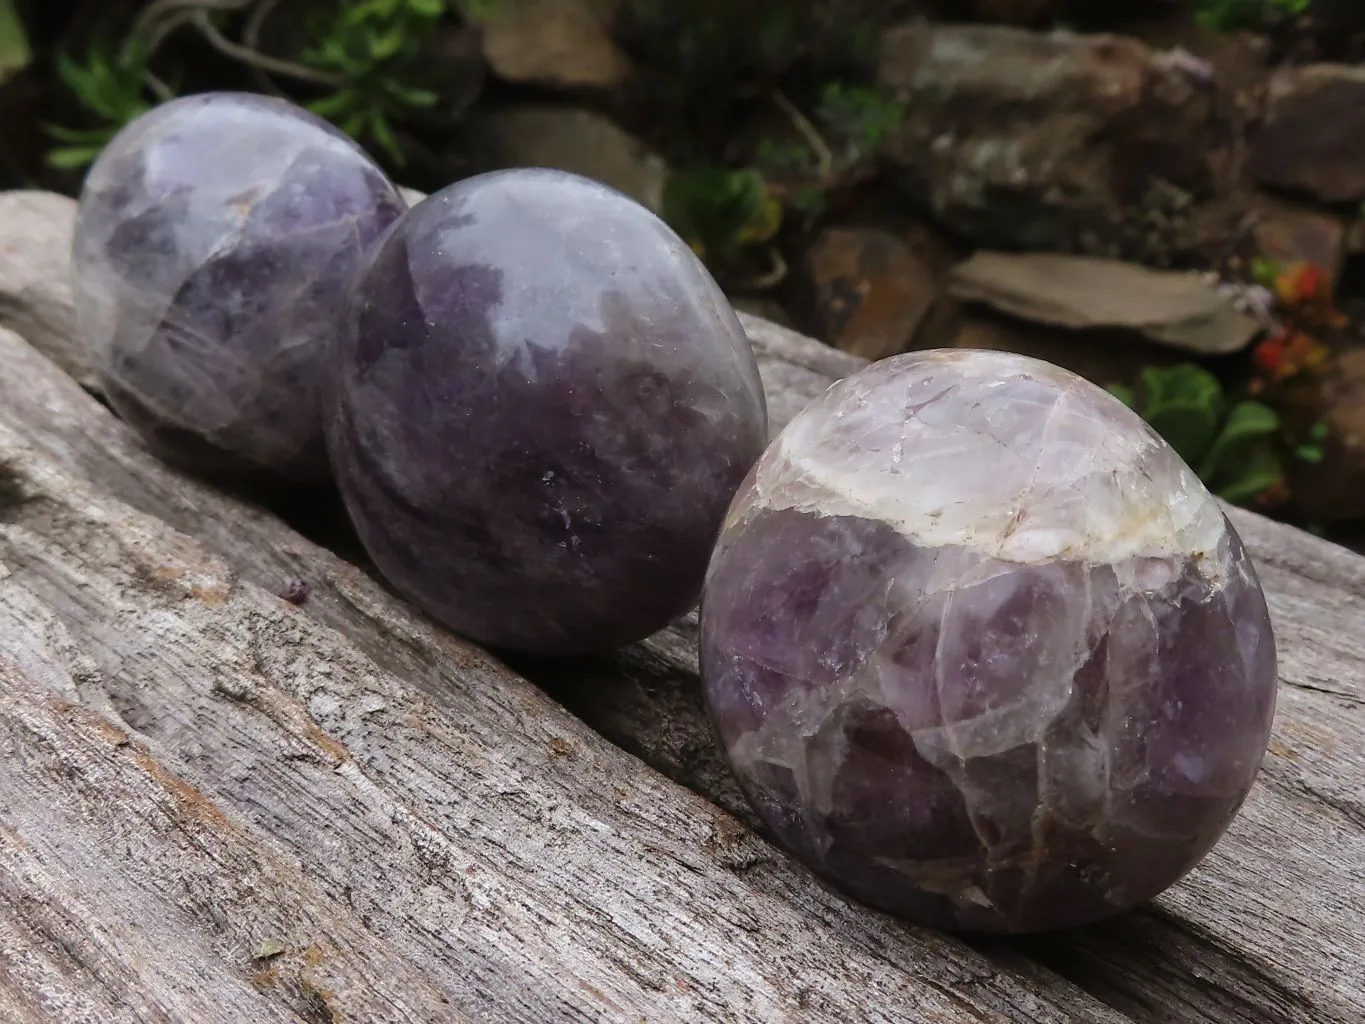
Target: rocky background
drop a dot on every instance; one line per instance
(1166, 196)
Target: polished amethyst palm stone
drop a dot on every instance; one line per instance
(543, 405)
(215, 240)
(982, 650)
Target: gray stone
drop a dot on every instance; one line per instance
(1078, 292)
(1313, 138)
(1289, 233)
(564, 43)
(1355, 237)
(1054, 142)
(35, 277)
(569, 139)
(871, 288)
(1333, 491)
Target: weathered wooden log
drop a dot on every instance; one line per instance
(35, 264)
(215, 806)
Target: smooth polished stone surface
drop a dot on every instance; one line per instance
(215, 240)
(543, 406)
(982, 650)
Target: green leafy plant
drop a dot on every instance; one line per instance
(720, 212)
(112, 87)
(723, 211)
(371, 47)
(806, 205)
(362, 55)
(1312, 449)
(1233, 446)
(480, 10)
(786, 158)
(862, 116)
(853, 121)
(14, 49)
(1229, 15)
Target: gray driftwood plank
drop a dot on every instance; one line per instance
(1271, 928)
(215, 806)
(196, 772)
(35, 264)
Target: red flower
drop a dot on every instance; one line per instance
(1269, 355)
(1302, 284)
(1313, 283)
(1288, 352)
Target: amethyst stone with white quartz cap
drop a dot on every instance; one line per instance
(543, 405)
(215, 240)
(982, 649)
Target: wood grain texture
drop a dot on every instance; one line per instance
(1271, 927)
(355, 763)
(35, 270)
(216, 806)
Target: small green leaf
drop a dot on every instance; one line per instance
(1248, 475)
(110, 87)
(1124, 394)
(808, 204)
(1183, 403)
(863, 115)
(353, 124)
(1229, 15)
(1184, 382)
(332, 53)
(1264, 272)
(1251, 419)
(73, 75)
(14, 49)
(1153, 386)
(72, 158)
(480, 11)
(1247, 422)
(385, 45)
(1189, 428)
(721, 210)
(786, 157)
(386, 140)
(411, 95)
(332, 106)
(378, 10)
(106, 94)
(1309, 453)
(79, 136)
